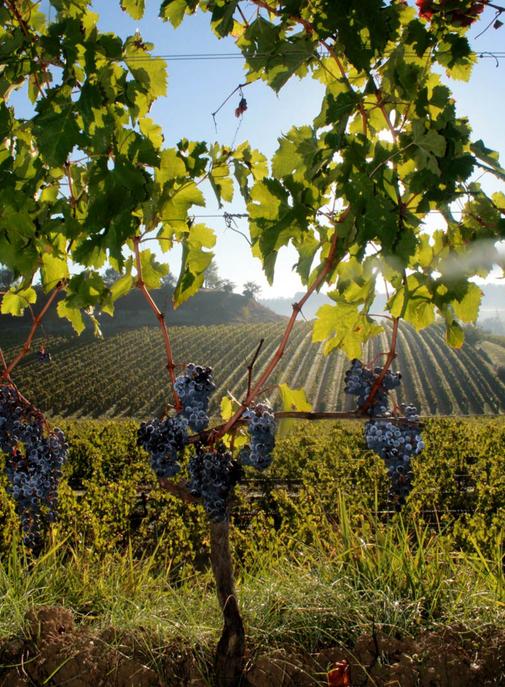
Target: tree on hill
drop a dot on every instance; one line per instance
(6, 278)
(251, 290)
(168, 281)
(212, 279)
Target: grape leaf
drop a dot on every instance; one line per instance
(152, 270)
(343, 326)
(15, 302)
(467, 309)
(121, 287)
(72, 314)
(226, 408)
(294, 399)
(135, 8)
(174, 10)
(455, 335)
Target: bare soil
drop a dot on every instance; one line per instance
(56, 653)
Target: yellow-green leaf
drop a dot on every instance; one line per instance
(226, 408)
(294, 399)
(455, 335)
(467, 309)
(15, 302)
(73, 315)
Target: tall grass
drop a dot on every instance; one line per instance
(384, 575)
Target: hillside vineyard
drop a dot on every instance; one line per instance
(440, 380)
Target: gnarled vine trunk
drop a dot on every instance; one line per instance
(229, 659)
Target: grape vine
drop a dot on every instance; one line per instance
(86, 181)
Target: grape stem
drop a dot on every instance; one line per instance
(389, 361)
(178, 489)
(251, 365)
(328, 265)
(14, 10)
(161, 320)
(35, 324)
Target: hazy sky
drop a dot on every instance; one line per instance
(196, 87)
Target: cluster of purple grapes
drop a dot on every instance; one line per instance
(194, 388)
(213, 475)
(34, 462)
(261, 427)
(397, 443)
(164, 440)
(397, 440)
(359, 381)
(212, 471)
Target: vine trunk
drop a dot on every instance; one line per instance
(229, 658)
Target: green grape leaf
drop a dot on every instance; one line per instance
(226, 408)
(150, 72)
(54, 269)
(294, 399)
(222, 17)
(15, 302)
(152, 131)
(455, 54)
(56, 130)
(175, 207)
(171, 167)
(222, 183)
(455, 336)
(174, 10)
(273, 60)
(152, 270)
(72, 314)
(490, 157)
(194, 261)
(343, 326)
(135, 8)
(121, 287)
(467, 309)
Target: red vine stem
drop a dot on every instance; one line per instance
(317, 283)
(251, 365)
(389, 360)
(3, 361)
(161, 320)
(36, 322)
(24, 28)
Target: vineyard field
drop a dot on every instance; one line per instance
(131, 367)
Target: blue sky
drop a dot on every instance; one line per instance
(197, 87)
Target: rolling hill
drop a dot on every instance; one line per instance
(125, 374)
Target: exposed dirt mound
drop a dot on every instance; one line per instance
(55, 652)
(434, 659)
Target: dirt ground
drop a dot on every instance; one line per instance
(56, 653)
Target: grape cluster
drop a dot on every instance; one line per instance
(34, 462)
(261, 427)
(396, 443)
(213, 474)
(164, 440)
(194, 388)
(359, 381)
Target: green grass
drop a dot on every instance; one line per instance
(308, 596)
